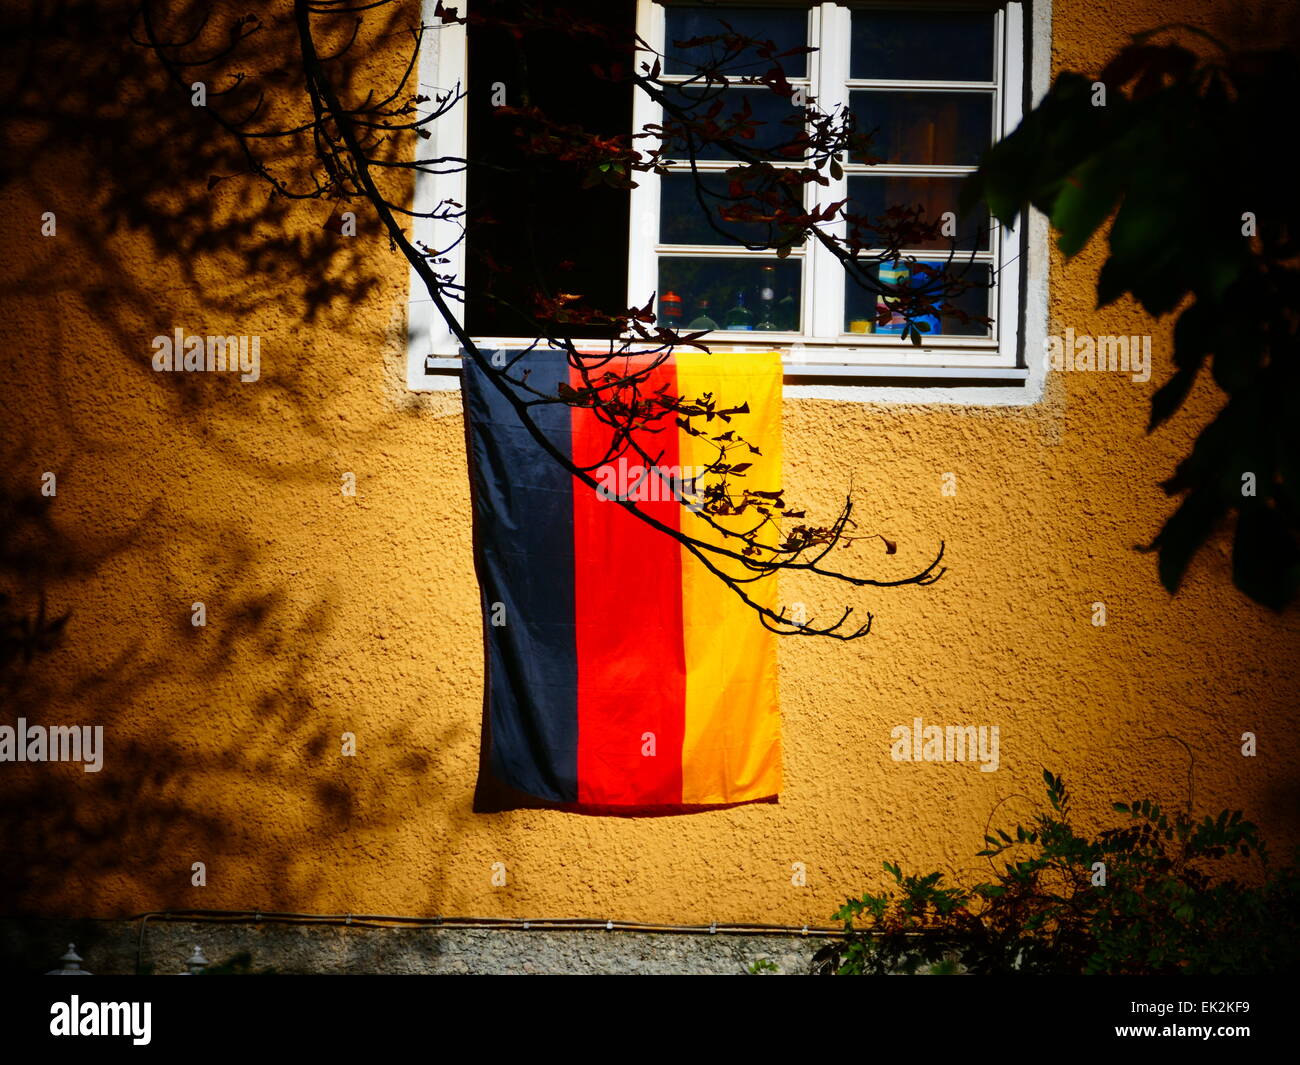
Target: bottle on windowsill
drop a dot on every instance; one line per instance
(702, 321)
(670, 309)
(739, 317)
(767, 298)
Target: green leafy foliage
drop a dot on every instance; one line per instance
(1180, 155)
(1158, 909)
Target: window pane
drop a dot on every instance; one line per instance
(683, 221)
(521, 206)
(951, 128)
(922, 46)
(871, 197)
(753, 294)
(784, 27)
(861, 306)
(771, 122)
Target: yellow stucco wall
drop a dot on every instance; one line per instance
(329, 614)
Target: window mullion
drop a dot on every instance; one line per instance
(1006, 239)
(824, 283)
(643, 209)
(441, 71)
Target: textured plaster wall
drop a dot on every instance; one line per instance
(329, 614)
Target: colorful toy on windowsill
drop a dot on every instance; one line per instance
(895, 274)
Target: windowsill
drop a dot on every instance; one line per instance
(956, 380)
(797, 366)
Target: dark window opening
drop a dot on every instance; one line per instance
(530, 223)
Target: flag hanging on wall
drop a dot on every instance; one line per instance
(620, 671)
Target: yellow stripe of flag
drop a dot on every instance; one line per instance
(732, 746)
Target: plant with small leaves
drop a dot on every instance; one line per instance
(1139, 898)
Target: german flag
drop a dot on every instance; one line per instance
(620, 671)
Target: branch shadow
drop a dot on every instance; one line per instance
(156, 221)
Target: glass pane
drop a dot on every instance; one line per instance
(922, 46)
(951, 128)
(871, 197)
(862, 306)
(682, 220)
(770, 123)
(785, 27)
(760, 295)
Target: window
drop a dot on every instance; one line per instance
(936, 84)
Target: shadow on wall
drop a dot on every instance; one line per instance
(157, 225)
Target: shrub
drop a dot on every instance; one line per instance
(1142, 898)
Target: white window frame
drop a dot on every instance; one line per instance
(825, 362)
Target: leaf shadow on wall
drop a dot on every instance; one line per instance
(200, 723)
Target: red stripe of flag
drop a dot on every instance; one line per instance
(628, 614)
